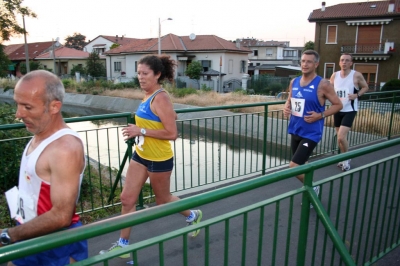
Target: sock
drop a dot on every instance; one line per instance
(123, 242)
(190, 218)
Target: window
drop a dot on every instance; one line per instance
(230, 66)
(243, 66)
(257, 64)
(206, 65)
(331, 34)
(117, 66)
(368, 38)
(329, 69)
(269, 52)
(289, 53)
(99, 50)
(251, 64)
(255, 52)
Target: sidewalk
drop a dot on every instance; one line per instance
(172, 252)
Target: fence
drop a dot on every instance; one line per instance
(215, 146)
(357, 222)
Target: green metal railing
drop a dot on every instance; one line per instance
(214, 145)
(356, 223)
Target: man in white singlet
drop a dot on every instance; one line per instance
(51, 171)
(349, 86)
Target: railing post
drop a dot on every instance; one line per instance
(391, 116)
(264, 156)
(304, 220)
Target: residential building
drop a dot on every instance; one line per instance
(102, 43)
(16, 53)
(64, 60)
(222, 60)
(369, 31)
(266, 55)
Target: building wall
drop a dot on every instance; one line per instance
(100, 40)
(346, 35)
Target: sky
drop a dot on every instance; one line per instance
(281, 20)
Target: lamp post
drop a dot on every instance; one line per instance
(159, 33)
(54, 55)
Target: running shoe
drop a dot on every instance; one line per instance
(346, 166)
(196, 220)
(115, 246)
(340, 164)
(316, 189)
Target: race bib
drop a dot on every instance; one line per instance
(26, 208)
(297, 106)
(343, 94)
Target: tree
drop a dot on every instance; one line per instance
(308, 46)
(33, 65)
(4, 62)
(95, 66)
(76, 41)
(194, 70)
(114, 45)
(9, 26)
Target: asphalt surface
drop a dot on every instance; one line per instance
(196, 247)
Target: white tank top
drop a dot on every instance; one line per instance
(34, 192)
(344, 87)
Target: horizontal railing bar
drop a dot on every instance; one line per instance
(116, 223)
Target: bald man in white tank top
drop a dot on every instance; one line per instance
(349, 86)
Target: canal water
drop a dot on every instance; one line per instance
(199, 159)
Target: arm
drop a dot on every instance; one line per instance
(325, 91)
(362, 84)
(286, 109)
(62, 163)
(162, 106)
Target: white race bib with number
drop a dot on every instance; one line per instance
(297, 106)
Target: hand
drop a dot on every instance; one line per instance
(312, 117)
(352, 97)
(130, 131)
(287, 111)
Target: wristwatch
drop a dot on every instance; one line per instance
(5, 238)
(143, 131)
(358, 94)
(322, 115)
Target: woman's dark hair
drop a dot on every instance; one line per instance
(160, 64)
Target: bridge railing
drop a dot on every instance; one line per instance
(356, 221)
(216, 144)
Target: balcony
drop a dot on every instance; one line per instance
(369, 51)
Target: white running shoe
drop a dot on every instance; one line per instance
(346, 165)
(340, 164)
(196, 220)
(316, 189)
(115, 246)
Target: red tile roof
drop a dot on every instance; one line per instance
(64, 53)
(174, 43)
(361, 10)
(11, 48)
(34, 49)
(116, 39)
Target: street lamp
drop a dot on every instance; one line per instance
(159, 33)
(54, 54)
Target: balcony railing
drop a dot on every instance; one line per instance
(366, 48)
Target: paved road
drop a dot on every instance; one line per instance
(173, 254)
(196, 246)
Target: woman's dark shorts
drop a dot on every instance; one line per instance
(152, 166)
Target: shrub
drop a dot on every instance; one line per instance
(391, 85)
(275, 88)
(180, 93)
(205, 88)
(67, 83)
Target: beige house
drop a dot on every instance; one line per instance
(63, 61)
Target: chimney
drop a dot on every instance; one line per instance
(116, 38)
(323, 6)
(238, 43)
(391, 6)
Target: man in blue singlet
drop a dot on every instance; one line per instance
(306, 108)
